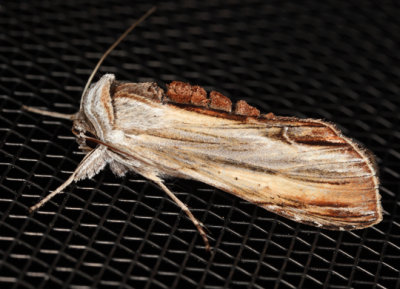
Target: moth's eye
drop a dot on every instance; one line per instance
(75, 131)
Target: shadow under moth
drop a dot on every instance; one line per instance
(302, 169)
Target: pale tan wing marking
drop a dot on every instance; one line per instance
(352, 205)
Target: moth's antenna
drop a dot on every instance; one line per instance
(118, 41)
(72, 116)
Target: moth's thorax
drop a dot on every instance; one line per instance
(137, 106)
(115, 136)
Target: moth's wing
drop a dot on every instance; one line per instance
(299, 193)
(301, 169)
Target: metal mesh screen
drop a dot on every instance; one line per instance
(336, 60)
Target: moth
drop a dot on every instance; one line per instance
(302, 169)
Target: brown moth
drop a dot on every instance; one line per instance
(302, 169)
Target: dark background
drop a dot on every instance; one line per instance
(335, 60)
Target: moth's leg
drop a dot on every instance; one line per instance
(91, 164)
(52, 194)
(196, 222)
(49, 113)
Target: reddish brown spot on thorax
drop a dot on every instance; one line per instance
(149, 90)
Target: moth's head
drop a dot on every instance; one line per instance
(82, 129)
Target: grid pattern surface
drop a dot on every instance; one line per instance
(336, 60)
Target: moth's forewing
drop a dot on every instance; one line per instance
(305, 170)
